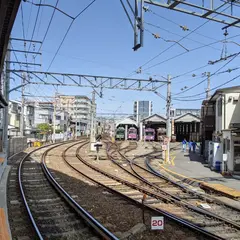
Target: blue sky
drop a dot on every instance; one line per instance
(100, 42)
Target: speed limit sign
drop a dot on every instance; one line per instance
(157, 223)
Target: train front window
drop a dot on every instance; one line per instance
(149, 133)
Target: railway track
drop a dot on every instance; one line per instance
(53, 213)
(188, 205)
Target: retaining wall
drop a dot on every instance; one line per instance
(16, 144)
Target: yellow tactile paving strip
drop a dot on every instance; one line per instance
(4, 235)
(221, 188)
(230, 192)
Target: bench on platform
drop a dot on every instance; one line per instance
(4, 234)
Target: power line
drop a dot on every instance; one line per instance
(35, 24)
(48, 27)
(179, 35)
(191, 50)
(197, 28)
(177, 24)
(231, 80)
(24, 36)
(68, 31)
(206, 78)
(30, 14)
(196, 69)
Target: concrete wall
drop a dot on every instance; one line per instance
(16, 144)
(230, 111)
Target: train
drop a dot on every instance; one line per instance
(149, 134)
(161, 134)
(120, 133)
(132, 134)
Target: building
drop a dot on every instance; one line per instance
(181, 111)
(14, 113)
(186, 126)
(43, 112)
(141, 110)
(79, 108)
(227, 127)
(207, 125)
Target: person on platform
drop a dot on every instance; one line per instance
(194, 144)
(190, 146)
(184, 144)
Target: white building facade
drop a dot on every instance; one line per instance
(227, 130)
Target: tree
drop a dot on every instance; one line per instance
(44, 129)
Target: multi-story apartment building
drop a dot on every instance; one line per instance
(141, 110)
(79, 108)
(43, 113)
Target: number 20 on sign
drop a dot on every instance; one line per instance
(157, 223)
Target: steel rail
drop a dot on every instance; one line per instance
(103, 232)
(174, 198)
(97, 226)
(149, 193)
(23, 193)
(201, 196)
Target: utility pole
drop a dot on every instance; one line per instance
(93, 117)
(54, 117)
(208, 86)
(23, 104)
(168, 115)
(6, 95)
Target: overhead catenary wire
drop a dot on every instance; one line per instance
(35, 24)
(179, 35)
(73, 20)
(217, 87)
(204, 79)
(191, 50)
(48, 27)
(177, 24)
(165, 50)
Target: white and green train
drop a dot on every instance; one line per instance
(120, 133)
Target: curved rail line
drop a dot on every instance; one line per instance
(100, 231)
(207, 223)
(176, 199)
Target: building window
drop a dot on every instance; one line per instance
(58, 117)
(220, 107)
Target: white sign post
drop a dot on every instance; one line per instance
(157, 223)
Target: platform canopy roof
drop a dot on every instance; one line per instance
(187, 118)
(127, 121)
(155, 118)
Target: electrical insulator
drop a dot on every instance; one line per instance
(156, 35)
(184, 28)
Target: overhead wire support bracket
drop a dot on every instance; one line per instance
(199, 10)
(91, 81)
(137, 24)
(24, 40)
(15, 50)
(24, 63)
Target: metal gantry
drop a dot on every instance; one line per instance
(220, 11)
(91, 81)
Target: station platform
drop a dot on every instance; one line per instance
(191, 168)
